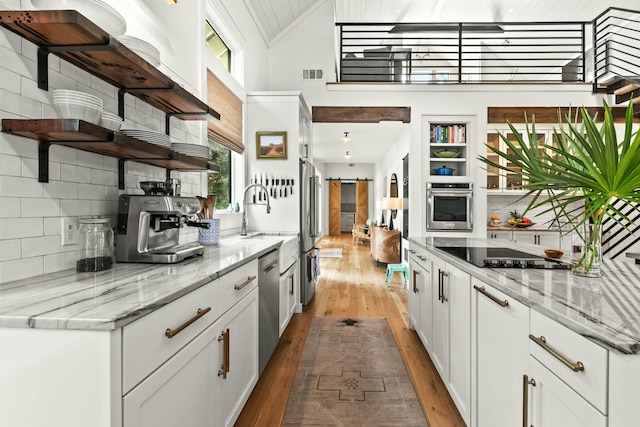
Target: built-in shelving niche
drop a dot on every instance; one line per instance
(77, 40)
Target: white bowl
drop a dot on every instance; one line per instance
(64, 95)
(103, 15)
(110, 121)
(74, 111)
(145, 50)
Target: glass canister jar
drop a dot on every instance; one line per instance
(95, 245)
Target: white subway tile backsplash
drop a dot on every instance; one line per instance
(90, 192)
(30, 169)
(10, 249)
(135, 168)
(111, 193)
(9, 80)
(104, 88)
(17, 145)
(14, 103)
(73, 173)
(17, 63)
(79, 76)
(60, 189)
(104, 207)
(143, 107)
(62, 154)
(34, 208)
(20, 269)
(59, 261)
(90, 160)
(29, 88)
(10, 40)
(10, 165)
(71, 207)
(110, 164)
(19, 187)
(37, 246)
(10, 207)
(52, 226)
(17, 228)
(102, 177)
(58, 80)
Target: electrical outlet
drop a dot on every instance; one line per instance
(69, 231)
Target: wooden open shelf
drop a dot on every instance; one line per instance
(96, 139)
(74, 38)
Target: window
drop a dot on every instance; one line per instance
(220, 183)
(218, 47)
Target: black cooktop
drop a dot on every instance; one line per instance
(501, 257)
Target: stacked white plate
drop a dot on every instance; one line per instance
(151, 136)
(71, 104)
(103, 15)
(194, 150)
(111, 121)
(146, 50)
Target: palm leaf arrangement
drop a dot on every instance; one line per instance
(580, 177)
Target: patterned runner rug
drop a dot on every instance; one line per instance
(351, 374)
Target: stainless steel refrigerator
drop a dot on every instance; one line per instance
(309, 228)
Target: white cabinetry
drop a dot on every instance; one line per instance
(207, 381)
(500, 337)
(552, 403)
(288, 295)
(199, 385)
(451, 349)
(546, 239)
(421, 296)
(499, 234)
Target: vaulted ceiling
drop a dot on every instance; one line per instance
(369, 142)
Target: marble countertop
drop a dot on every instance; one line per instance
(110, 299)
(605, 310)
(507, 227)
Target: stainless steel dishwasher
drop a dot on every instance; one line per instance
(269, 306)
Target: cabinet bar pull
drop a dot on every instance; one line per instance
(482, 290)
(225, 338)
(291, 289)
(542, 342)
(443, 298)
(170, 333)
(525, 398)
(245, 283)
(415, 288)
(439, 285)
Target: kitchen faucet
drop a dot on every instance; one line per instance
(243, 229)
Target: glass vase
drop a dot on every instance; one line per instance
(586, 253)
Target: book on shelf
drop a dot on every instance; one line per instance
(448, 134)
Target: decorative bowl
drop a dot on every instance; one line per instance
(444, 171)
(447, 154)
(553, 253)
(110, 121)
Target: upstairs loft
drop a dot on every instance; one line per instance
(604, 52)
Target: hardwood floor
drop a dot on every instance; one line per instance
(351, 286)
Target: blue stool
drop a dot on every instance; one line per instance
(401, 268)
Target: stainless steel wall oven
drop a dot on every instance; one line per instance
(449, 206)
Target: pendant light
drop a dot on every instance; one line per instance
(346, 137)
(347, 155)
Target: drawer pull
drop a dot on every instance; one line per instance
(170, 333)
(526, 382)
(415, 279)
(245, 283)
(542, 342)
(225, 337)
(291, 289)
(482, 290)
(423, 258)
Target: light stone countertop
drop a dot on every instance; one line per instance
(605, 310)
(110, 299)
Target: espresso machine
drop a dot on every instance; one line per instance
(149, 228)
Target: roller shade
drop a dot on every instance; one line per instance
(228, 130)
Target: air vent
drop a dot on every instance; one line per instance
(312, 74)
(351, 165)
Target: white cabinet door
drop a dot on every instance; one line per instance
(288, 296)
(451, 351)
(552, 403)
(414, 294)
(549, 239)
(420, 297)
(180, 392)
(501, 337)
(499, 234)
(238, 371)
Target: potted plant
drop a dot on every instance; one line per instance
(580, 177)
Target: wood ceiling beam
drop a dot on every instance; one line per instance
(503, 115)
(360, 114)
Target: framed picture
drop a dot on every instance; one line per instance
(271, 145)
